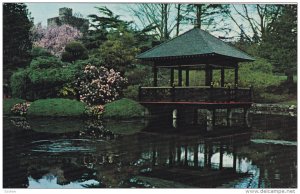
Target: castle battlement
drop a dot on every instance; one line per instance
(66, 17)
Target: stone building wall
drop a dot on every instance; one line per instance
(66, 17)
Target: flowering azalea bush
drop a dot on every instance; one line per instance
(54, 38)
(98, 85)
(20, 108)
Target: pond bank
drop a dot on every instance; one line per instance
(276, 109)
(119, 109)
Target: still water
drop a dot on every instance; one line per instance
(73, 153)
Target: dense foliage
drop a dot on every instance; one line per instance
(118, 51)
(42, 79)
(74, 51)
(282, 53)
(16, 38)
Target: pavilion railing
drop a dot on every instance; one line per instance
(195, 94)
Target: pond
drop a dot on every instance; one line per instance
(74, 153)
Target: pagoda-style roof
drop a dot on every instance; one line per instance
(195, 43)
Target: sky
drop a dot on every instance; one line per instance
(42, 11)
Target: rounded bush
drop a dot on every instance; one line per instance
(123, 109)
(74, 51)
(56, 107)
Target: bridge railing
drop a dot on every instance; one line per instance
(195, 94)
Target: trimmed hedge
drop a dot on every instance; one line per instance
(56, 107)
(123, 109)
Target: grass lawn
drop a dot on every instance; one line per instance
(123, 109)
(56, 107)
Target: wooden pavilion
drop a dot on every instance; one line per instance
(195, 49)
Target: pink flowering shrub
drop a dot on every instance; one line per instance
(98, 85)
(20, 108)
(54, 38)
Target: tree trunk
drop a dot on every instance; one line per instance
(178, 19)
(165, 21)
(162, 22)
(199, 13)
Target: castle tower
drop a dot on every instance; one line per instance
(65, 12)
(66, 17)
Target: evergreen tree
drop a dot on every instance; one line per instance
(280, 44)
(16, 38)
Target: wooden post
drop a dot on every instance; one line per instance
(207, 76)
(245, 116)
(213, 117)
(210, 153)
(172, 77)
(187, 77)
(211, 94)
(236, 75)
(185, 155)
(251, 93)
(205, 154)
(228, 117)
(170, 156)
(195, 116)
(221, 157)
(196, 156)
(140, 93)
(234, 158)
(173, 93)
(179, 155)
(179, 76)
(211, 75)
(153, 156)
(222, 77)
(154, 69)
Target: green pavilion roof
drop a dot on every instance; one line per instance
(195, 42)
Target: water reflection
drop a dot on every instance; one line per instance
(158, 155)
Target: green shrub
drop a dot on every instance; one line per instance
(123, 109)
(19, 83)
(56, 107)
(45, 77)
(272, 98)
(9, 103)
(39, 52)
(139, 75)
(74, 51)
(119, 51)
(45, 62)
(131, 92)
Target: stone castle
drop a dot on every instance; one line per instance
(66, 17)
